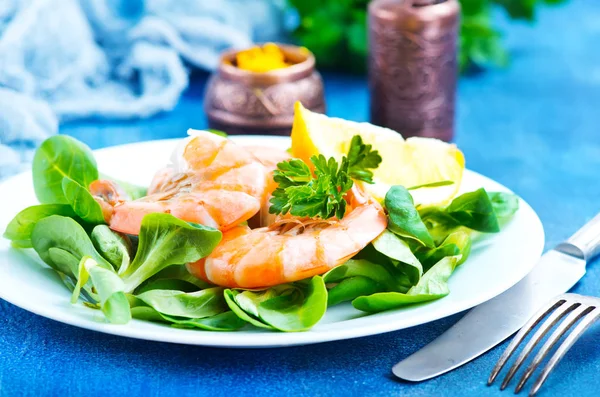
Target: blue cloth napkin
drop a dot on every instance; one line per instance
(69, 59)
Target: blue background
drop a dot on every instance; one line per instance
(533, 127)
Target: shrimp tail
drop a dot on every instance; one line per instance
(108, 194)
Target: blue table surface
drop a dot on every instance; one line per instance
(533, 127)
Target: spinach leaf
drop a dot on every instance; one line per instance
(404, 219)
(288, 307)
(433, 285)
(20, 227)
(505, 205)
(175, 277)
(226, 321)
(244, 305)
(164, 241)
(115, 247)
(360, 267)
(457, 243)
(108, 285)
(59, 232)
(67, 262)
(351, 288)
(475, 211)
(399, 252)
(166, 284)
(385, 265)
(82, 201)
(200, 304)
(58, 157)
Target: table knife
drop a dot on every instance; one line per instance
(495, 320)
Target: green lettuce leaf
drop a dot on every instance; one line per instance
(21, 226)
(404, 219)
(433, 285)
(164, 241)
(288, 307)
(58, 157)
(109, 287)
(59, 232)
(82, 202)
(115, 247)
(195, 305)
(400, 254)
(226, 321)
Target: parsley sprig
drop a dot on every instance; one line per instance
(302, 193)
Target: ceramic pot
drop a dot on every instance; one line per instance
(238, 101)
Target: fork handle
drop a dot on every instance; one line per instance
(585, 243)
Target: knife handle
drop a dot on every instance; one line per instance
(585, 243)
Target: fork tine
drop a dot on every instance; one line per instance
(562, 328)
(522, 334)
(555, 317)
(587, 321)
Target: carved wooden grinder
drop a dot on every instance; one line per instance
(412, 65)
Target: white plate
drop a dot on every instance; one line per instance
(492, 268)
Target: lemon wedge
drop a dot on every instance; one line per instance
(411, 162)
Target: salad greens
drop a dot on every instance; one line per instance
(359, 277)
(164, 241)
(399, 254)
(145, 277)
(58, 157)
(108, 286)
(432, 286)
(59, 232)
(20, 227)
(200, 304)
(404, 219)
(114, 246)
(81, 201)
(288, 307)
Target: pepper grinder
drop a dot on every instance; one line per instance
(412, 66)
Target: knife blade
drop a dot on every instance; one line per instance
(495, 320)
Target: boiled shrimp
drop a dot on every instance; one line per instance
(269, 157)
(211, 181)
(292, 248)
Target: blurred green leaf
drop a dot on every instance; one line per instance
(519, 9)
(336, 31)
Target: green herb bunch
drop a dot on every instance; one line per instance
(336, 31)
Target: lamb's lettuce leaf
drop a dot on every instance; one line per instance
(200, 304)
(288, 307)
(58, 157)
(505, 205)
(164, 241)
(114, 246)
(357, 277)
(59, 232)
(225, 321)
(433, 285)
(82, 202)
(400, 254)
(21, 226)
(175, 277)
(109, 287)
(404, 219)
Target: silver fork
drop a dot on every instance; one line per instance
(572, 306)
